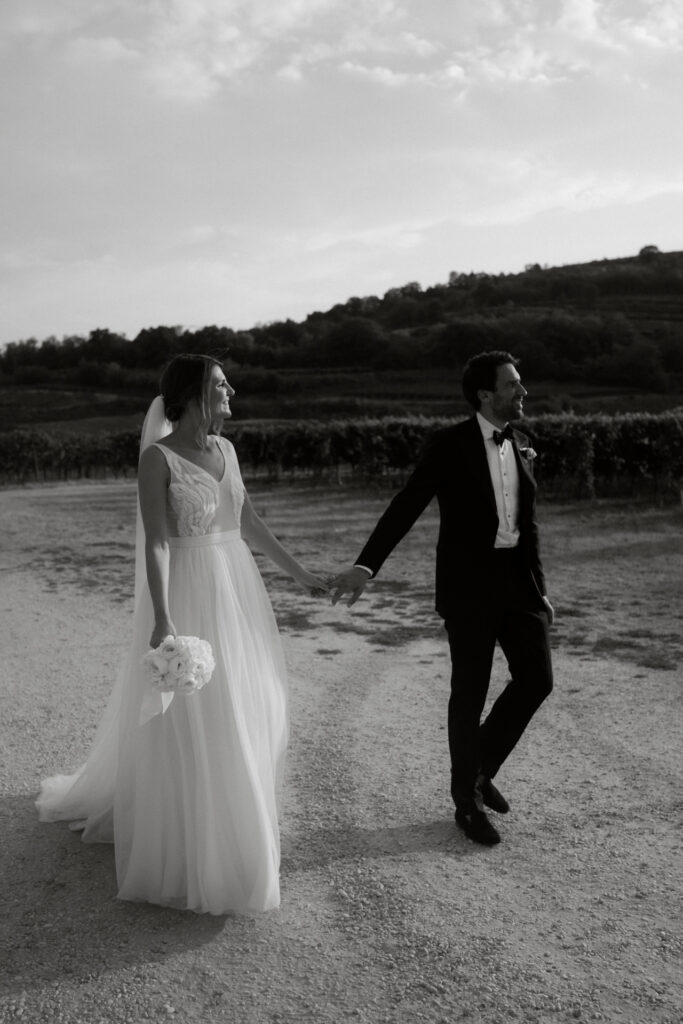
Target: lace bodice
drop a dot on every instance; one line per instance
(198, 503)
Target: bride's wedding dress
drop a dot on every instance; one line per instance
(188, 796)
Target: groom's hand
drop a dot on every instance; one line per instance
(350, 582)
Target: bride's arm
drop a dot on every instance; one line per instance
(260, 536)
(152, 486)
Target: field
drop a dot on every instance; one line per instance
(311, 395)
(388, 914)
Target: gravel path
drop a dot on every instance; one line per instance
(389, 914)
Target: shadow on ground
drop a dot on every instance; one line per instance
(61, 918)
(322, 847)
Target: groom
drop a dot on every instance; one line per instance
(489, 580)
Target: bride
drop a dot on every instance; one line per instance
(186, 790)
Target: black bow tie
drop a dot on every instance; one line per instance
(506, 434)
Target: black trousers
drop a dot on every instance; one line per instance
(513, 615)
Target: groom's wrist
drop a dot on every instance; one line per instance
(357, 565)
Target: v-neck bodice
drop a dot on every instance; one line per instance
(197, 502)
(196, 465)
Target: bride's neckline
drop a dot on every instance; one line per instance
(218, 479)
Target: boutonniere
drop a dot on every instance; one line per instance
(528, 454)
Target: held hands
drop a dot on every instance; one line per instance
(316, 585)
(351, 582)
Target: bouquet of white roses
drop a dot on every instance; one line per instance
(180, 664)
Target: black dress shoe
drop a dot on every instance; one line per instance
(492, 797)
(477, 826)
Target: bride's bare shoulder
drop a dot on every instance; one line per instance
(168, 441)
(153, 457)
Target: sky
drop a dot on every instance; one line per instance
(235, 162)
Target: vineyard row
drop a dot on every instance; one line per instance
(577, 456)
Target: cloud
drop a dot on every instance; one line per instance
(519, 62)
(104, 50)
(321, 146)
(660, 27)
(42, 18)
(388, 236)
(193, 48)
(381, 75)
(512, 189)
(529, 42)
(367, 34)
(419, 46)
(449, 75)
(580, 18)
(625, 26)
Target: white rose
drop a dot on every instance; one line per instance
(186, 684)
(158, 663)
(169, 645)
(177, 667)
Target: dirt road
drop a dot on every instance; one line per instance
(389, 914)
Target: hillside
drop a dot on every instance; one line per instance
(607, 334)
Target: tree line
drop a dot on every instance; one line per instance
(614, 322)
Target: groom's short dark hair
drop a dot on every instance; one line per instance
(480, 373)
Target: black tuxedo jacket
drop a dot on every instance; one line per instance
(454, 468)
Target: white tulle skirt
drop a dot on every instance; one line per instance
(189, 797)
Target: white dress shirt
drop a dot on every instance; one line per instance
(505, 480)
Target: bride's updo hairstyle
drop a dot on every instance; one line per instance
(186, 379)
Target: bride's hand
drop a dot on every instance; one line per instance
(161, 630)
(316, 585)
